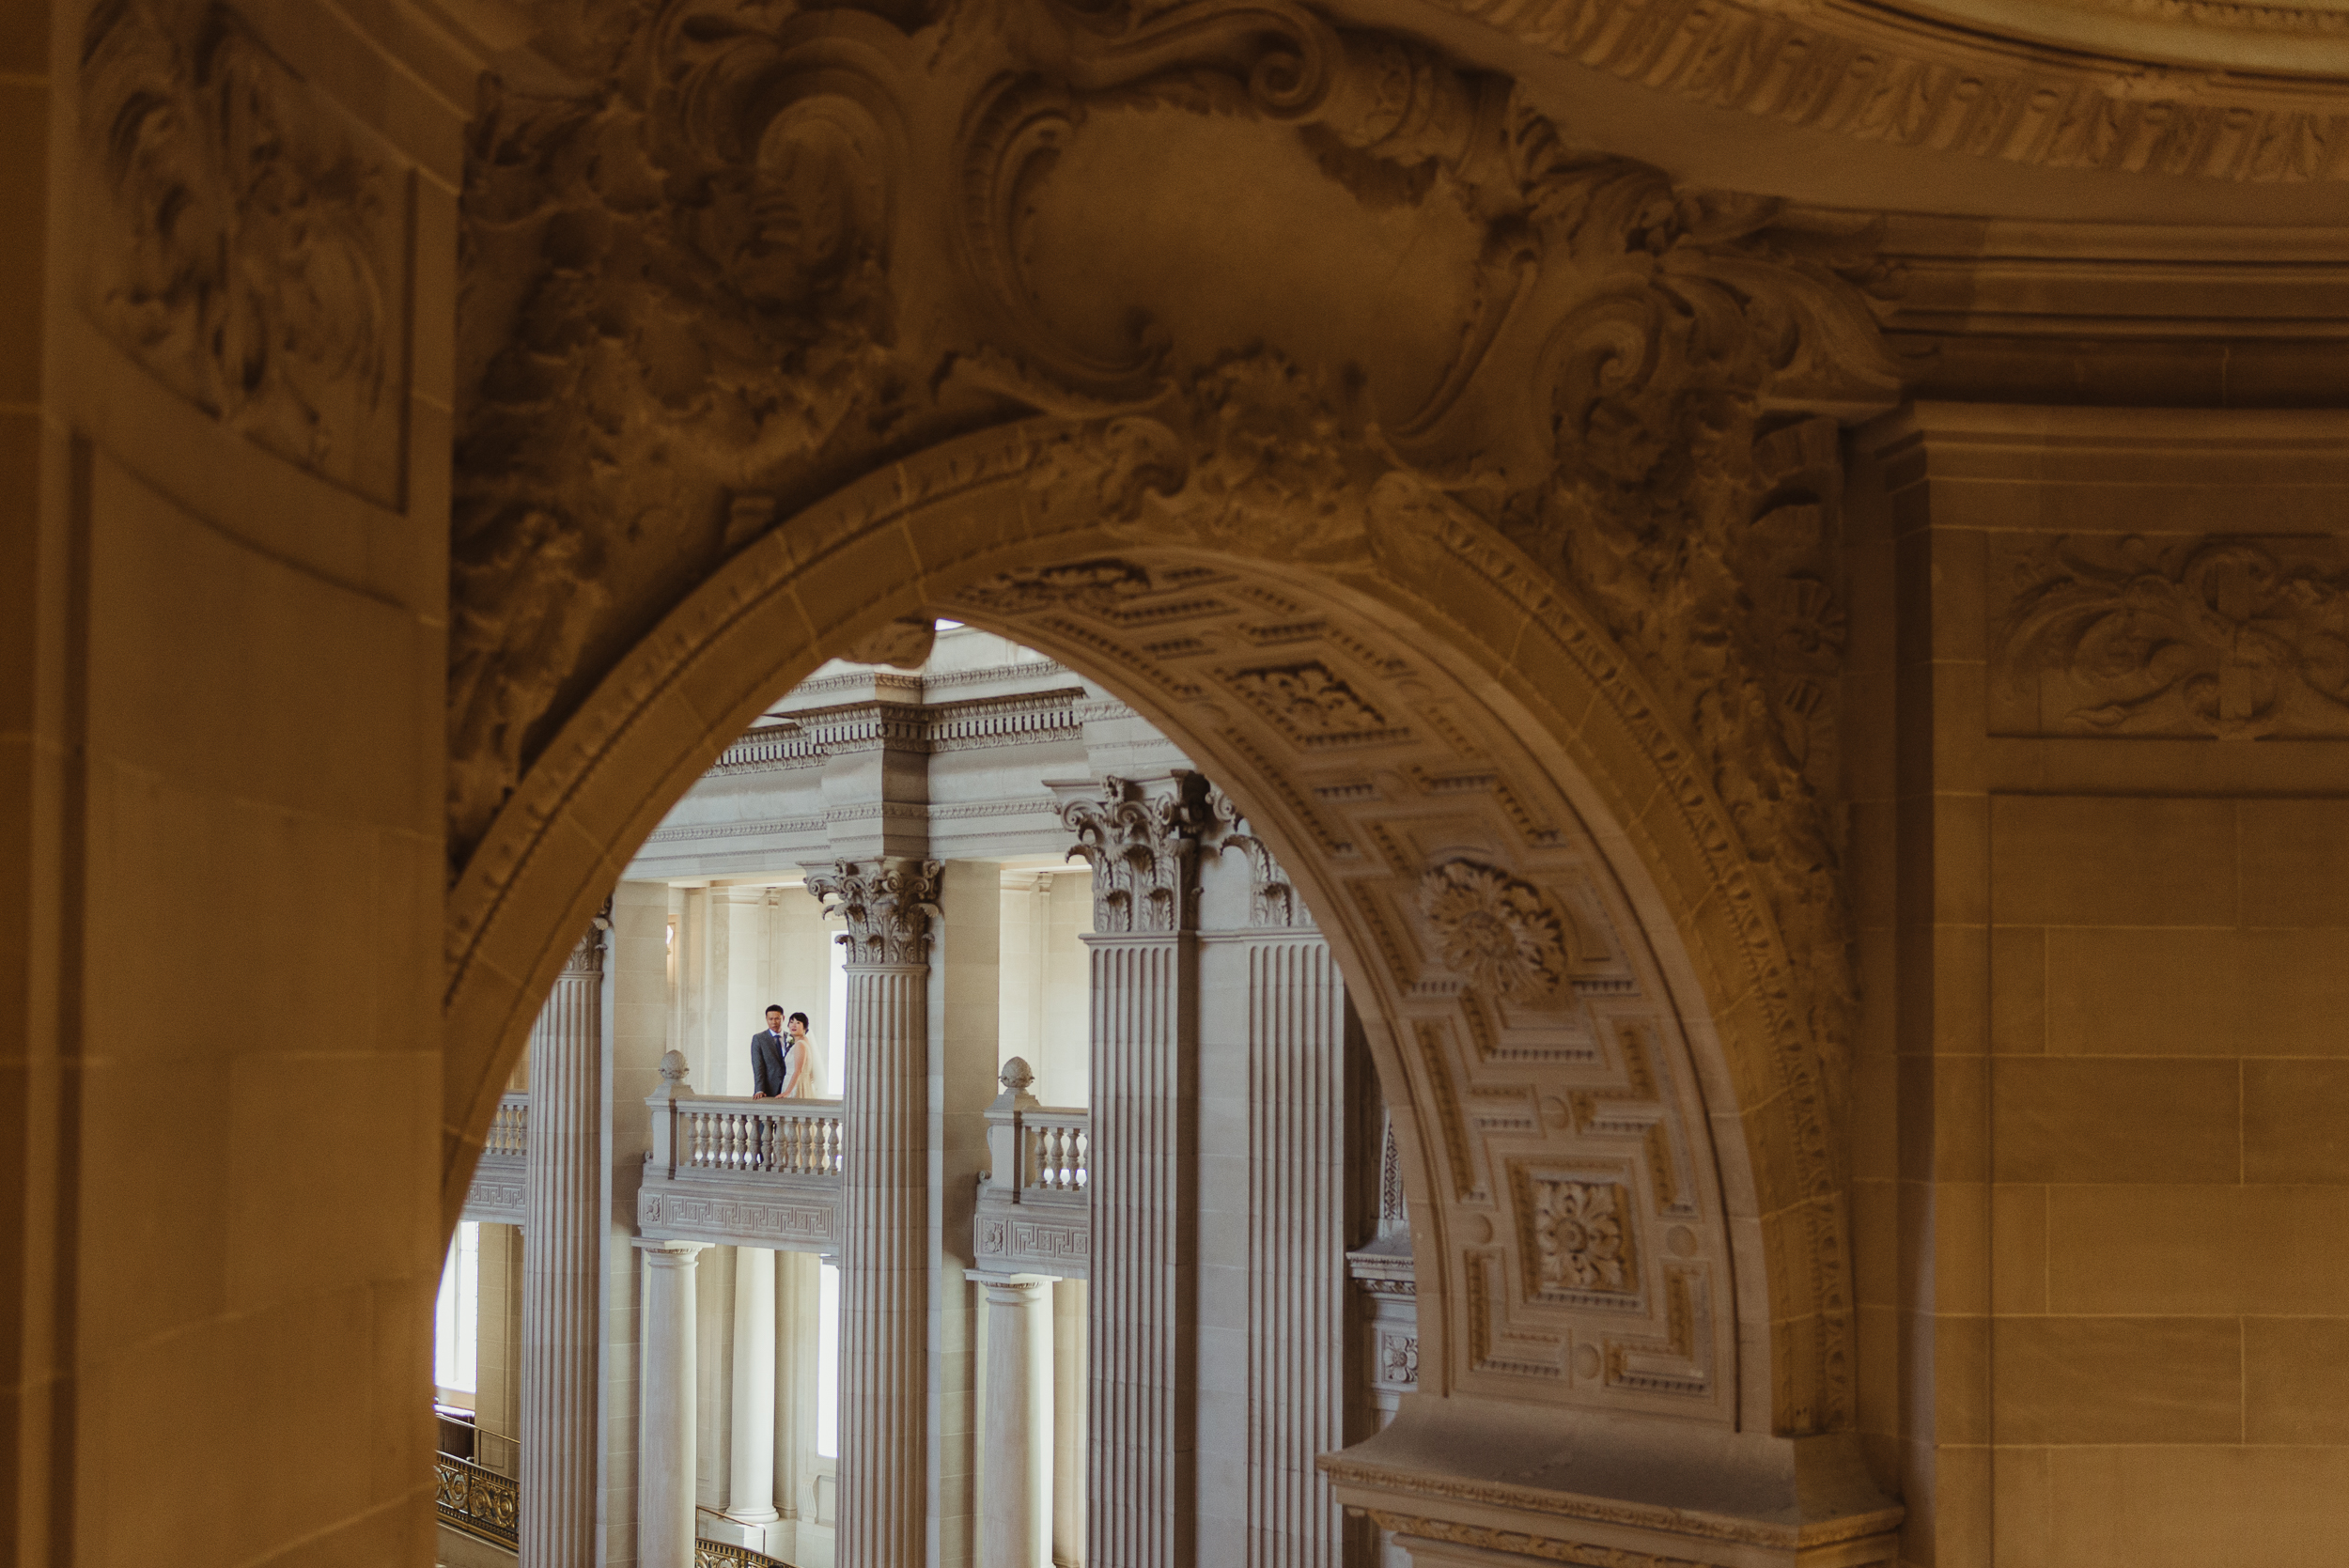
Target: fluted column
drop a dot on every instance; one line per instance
(1295, 1059)
(666, 1463)
(750, 1480)
(884, 1281)
(560, 1258)
(1142, 838)
(1295, 1248)
(1015, 1428)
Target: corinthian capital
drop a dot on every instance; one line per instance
(1142, 839)
(887, 903)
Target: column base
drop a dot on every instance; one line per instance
(764, 1537)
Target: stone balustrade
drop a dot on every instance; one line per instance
(741, 1172)
(1035, 1208)
(498, 1184)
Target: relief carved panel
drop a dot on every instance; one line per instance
(244, 239)
(2231, 638)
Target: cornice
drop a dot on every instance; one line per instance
(1877, 72)
(813, 735)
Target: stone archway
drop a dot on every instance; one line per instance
(1481, 546)
(1619, 1133)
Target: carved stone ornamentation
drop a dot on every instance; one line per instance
(1581, 1238)
(1884, 74)
(903, 644)
(1142, 842)
(1501, 934)
(1309, 701)
(888, 905)
(2238, 639)
(1272, 898)
(1086, 584)
(244, 239)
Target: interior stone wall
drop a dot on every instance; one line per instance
(224, 583)
(2107, 853)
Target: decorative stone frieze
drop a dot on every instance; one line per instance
(2235, 638)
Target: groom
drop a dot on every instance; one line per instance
(767, 1053)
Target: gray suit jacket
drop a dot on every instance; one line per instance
(767, 1056)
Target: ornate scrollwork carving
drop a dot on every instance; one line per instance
(1273, 902)
(244, 241)
(1500, 932)
(701, 238)
(1142, 840)
(2232, 638)
(887, 904)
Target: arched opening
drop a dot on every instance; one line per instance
(1564, 972)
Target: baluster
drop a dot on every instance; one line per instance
(737, 1137)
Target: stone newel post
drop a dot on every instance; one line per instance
(560, 1260)
(1142, 838)
(884, 1284)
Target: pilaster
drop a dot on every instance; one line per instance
(559, 1267)
(1140, 836)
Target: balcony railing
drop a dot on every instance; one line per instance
(747, 1172)
(1035, 1211)
(768, 1174)
(480, 1502)
(498, 1181)
(725, 1554)
(786, 1137)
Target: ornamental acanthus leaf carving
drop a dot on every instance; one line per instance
(1142, 839)
(887, 903)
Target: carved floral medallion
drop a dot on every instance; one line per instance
(1501, 933)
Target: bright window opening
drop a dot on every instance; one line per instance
(456, 1319)
(828, 1362)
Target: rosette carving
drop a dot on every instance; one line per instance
(887, 904)
(1499, 932)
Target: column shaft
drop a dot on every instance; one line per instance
(1141, 1484)
(884, 1284)
(557, 1522)
(1015, 1429)
(665, 1467)
(750, 1480)
(1295, 1249)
